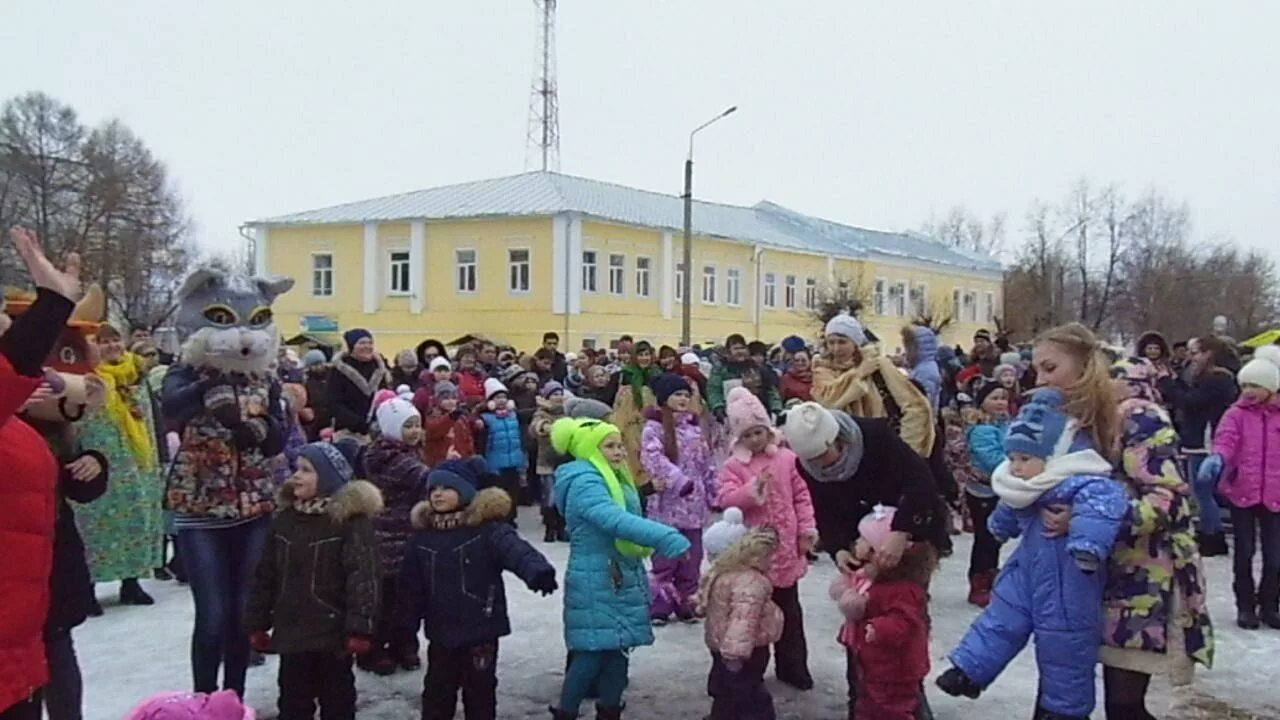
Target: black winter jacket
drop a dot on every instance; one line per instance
(1200, 406)
(317, 384)
(452, 574)
(891, 473)
(317, 581)
(398, 471)
(352, 384)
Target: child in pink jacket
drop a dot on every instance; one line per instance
(1246, 447)
(742, 620)
(761, 478)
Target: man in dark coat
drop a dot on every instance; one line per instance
(560, 367)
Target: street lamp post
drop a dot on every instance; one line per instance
(686, 329)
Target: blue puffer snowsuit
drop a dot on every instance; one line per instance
(606, 595)
(926, 371)
(504, 449)
(1043, 590)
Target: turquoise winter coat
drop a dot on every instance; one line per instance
(606, 595)
(504, 449)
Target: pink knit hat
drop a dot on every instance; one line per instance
(224, 705)
(744, 411)
(875, 526)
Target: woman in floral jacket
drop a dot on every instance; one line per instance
(1154, 604)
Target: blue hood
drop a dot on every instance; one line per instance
(926, 344)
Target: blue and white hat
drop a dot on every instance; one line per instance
(1042, 428)
(333, 467)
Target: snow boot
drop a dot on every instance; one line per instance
(557, 714)
(801, 680)
(409, 660)
(609, 713)
(1247, 618)
(1269, 598)
(1213, 545)
(1128, 711)
(980, 588)
(131, 593)
(562, 528)
(94, 608)
(549, 524)
(956, 684)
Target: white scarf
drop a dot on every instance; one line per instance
(1019, 493)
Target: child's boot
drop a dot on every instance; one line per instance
(609, 713)
(980, 588)
(1042, 714)
(955, 683)
(557, 714)
(1269, 598)
(548, 524)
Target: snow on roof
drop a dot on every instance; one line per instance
(547, 193)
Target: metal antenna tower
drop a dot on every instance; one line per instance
(544, 105)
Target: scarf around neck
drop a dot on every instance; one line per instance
(1019, 493)
(121, 379)
(638, 377)
(849, 438)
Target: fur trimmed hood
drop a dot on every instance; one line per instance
(381, 375)
(489, 505)
(356, 498)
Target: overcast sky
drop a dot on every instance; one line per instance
(873, 113)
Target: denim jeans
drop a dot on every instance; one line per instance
(63, 695)
(220, 565)
(1206, 497)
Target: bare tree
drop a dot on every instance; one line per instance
(845, 294)
(961, 229)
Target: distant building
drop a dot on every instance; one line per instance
(508, 257)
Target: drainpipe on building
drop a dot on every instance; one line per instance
(758, 254)
(568, 281)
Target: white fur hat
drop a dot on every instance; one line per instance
(1260, 372)
(848, 326)
(810, 429)
(492, 387)
(723, 532)
(393, 414)
(690, 359)
(440, 363)
(1270, 353)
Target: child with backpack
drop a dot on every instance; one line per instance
(322, 539)
(452, 580)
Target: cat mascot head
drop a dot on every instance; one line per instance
(69, 366)
(226, 322)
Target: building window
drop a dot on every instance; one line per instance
(880, 299)
(679, 282)
(991, 307)
(398, 272)
(709, 285)
(789, 292)
(518, 270)
(919, 299)
(322, 275)
(971, 306)
(642, 277)
(589, 271)
(617, 274)
(589, 343)
(955, 304)
(770, 290)
(811, 293)
(466, 262)
(733, 287)
(898, 299)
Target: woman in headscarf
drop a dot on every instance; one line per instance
(634, 396)
(854, 377)
(123, 530)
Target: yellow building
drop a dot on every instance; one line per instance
(514, 257)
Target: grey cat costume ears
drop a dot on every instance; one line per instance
(208, 278)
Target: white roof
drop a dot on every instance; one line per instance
(542, 193)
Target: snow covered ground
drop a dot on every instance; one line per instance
(134, 651)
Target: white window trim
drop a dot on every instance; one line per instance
(648, 277)
(728, 299)
(770, 299)
(594, 266)
(924, 299)
(790, 300)
(810, 283)
(989, 298)
(880, 297)
(957, 303)
(679, 282)
(970, 316)
(904, 295)
(390, 274)
(333, 275)
(528, 262)
(715, 281)
(622, 276)
(457, 265)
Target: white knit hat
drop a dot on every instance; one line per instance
(492, 387)
(810, 429)
(1270, 353)
(690, 359)
(1260, 372)
(1010, 358)
(393, 414)
(724, 532)
(439, 362)
(848, 326)
(404, 392)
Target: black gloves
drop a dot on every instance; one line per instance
(544, 582)
(250, 433)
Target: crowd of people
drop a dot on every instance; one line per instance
(333, 508)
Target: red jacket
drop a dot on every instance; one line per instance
(470, 386)
(28, 477)
(795, 387)
(443, 432)
(892, 666)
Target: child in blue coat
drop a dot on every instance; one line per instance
(606, 601)
(504, 442)
(1050, 586)
(452, 579)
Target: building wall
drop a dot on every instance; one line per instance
(439, 309)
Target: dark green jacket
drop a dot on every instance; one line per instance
(762, 382)
(318, 579)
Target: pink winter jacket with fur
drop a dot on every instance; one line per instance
(1248, 439)
(784, 506)
(741, 615)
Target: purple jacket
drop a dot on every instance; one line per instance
(1248, 439)
(685, 501)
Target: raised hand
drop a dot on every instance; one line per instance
(43, 272)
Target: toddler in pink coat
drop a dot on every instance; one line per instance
(742, 620)
(760, 478)
(223, 705)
